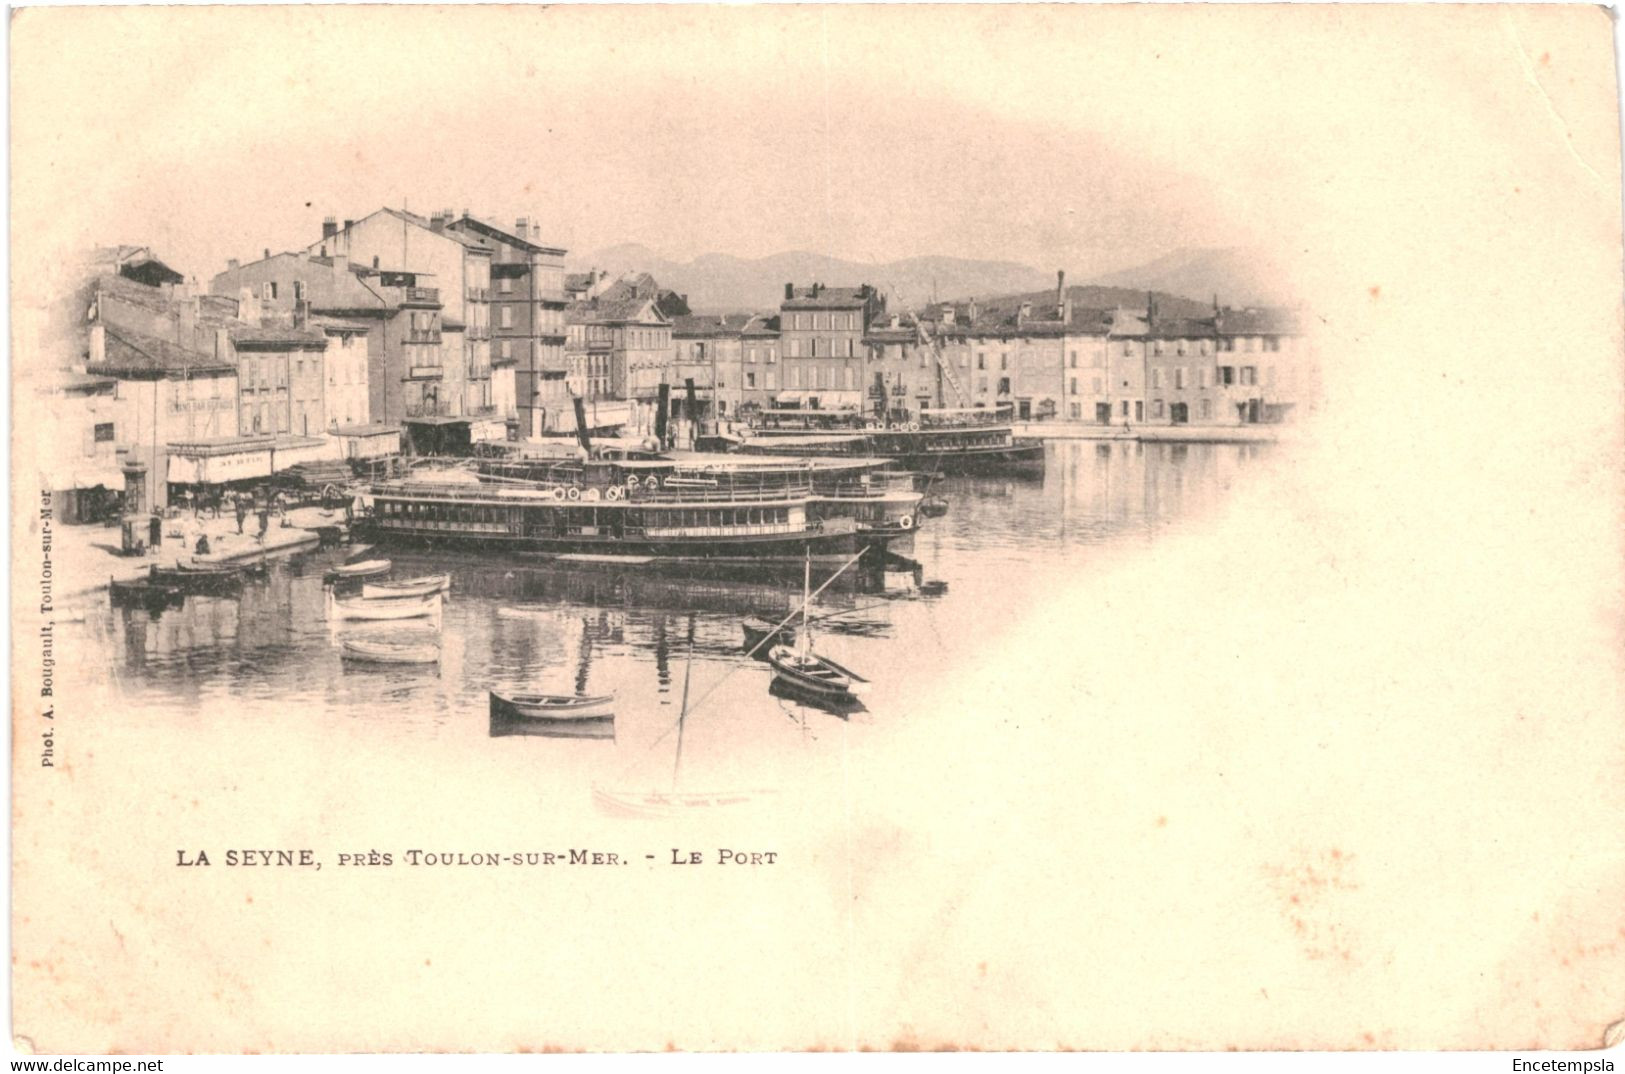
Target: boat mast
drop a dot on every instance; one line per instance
(682, 713)
(806, 599)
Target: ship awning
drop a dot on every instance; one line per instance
(822, 399)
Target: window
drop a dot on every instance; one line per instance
(506, 316)
(750, 380)
(1004, 385)
(1201, 378)
(795, 376)
(505, 348)
(1072, 361)
(1247, 345)
(1073, 386)
(505, 285)
(1075, 412)
(1249, 375)
(793, 349)
(268, 290)
(1207, 408)
(1156, 378)
(1156, 409)
(1202, 349)
(1180, 347)
(981, 360)
(299, 290)
(1156, 348)
(104, 432)
(1179, 378)
(1004, 362)
(1128, 349)
(1095, 386)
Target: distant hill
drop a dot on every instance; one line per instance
(1238, 275)
(716, 283)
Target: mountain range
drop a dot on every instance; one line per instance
(717, 283)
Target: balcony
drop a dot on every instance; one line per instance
(424, 295)
(417, 335)
(479, 332)
(479, 372)
(479, 294)
(425, 372)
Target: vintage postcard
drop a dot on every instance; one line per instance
(781, 528)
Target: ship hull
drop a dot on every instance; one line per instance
(723, 549)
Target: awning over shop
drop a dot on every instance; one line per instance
(66, 480)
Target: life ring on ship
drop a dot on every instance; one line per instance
(591, 496)
(558, 493)
(906, 522)
(614, 492)
(632, 481)
(894, 426)
(871, 426)
(913, 426)
(572, 493)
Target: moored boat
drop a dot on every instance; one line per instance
(552, 708)
(373, 651)
(193, 579)
(368, 568)
(816, 675)
(759, 631)
(656, 804)
(364, 608)
(408, 587)
(143, 593)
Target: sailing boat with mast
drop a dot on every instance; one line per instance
(801, 670)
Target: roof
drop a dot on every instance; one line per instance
(473, 243)
(577, 281)
(276, 337)
(1258, 321)
(136, 354)
(761, 325)
(340, 324)
(375, 429)
(804, 298)
(688, 326)
(510, 239)
(326, 287)
(137, 294)
(606, 310)
(116, 255)
(1181, 328)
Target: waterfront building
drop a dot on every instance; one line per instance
(759, 371)
(619, 352)
(821, 344)
(430, 253)
(528, 365)
(710, 351)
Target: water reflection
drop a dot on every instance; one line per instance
(533, 625)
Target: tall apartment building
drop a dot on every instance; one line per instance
(821, 331)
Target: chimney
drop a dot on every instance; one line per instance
(970, 314)
(789, 291)
(98, 343)
(347, 224)
(330, 227)
(233, 265)
(1060, 292)
(374, 260)
(1150, 308)
(437, 222)
(267, 254)
(521, 227)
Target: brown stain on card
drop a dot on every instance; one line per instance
(1309, 890)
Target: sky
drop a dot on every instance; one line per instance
(1043, 136)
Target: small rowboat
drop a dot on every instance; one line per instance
(652, 804)
(408, 587)
(814, 675)
(144, 593)
(388, 608)
(367, 568)
(390, 652)
(758, 631)
(552, 708)
(197, 579)
(524, 611)
(933, 506)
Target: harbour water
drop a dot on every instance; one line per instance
(269, 662)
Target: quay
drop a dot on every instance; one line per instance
(90, 555)
(1168, 434)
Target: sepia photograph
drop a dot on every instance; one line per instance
(791, 528)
